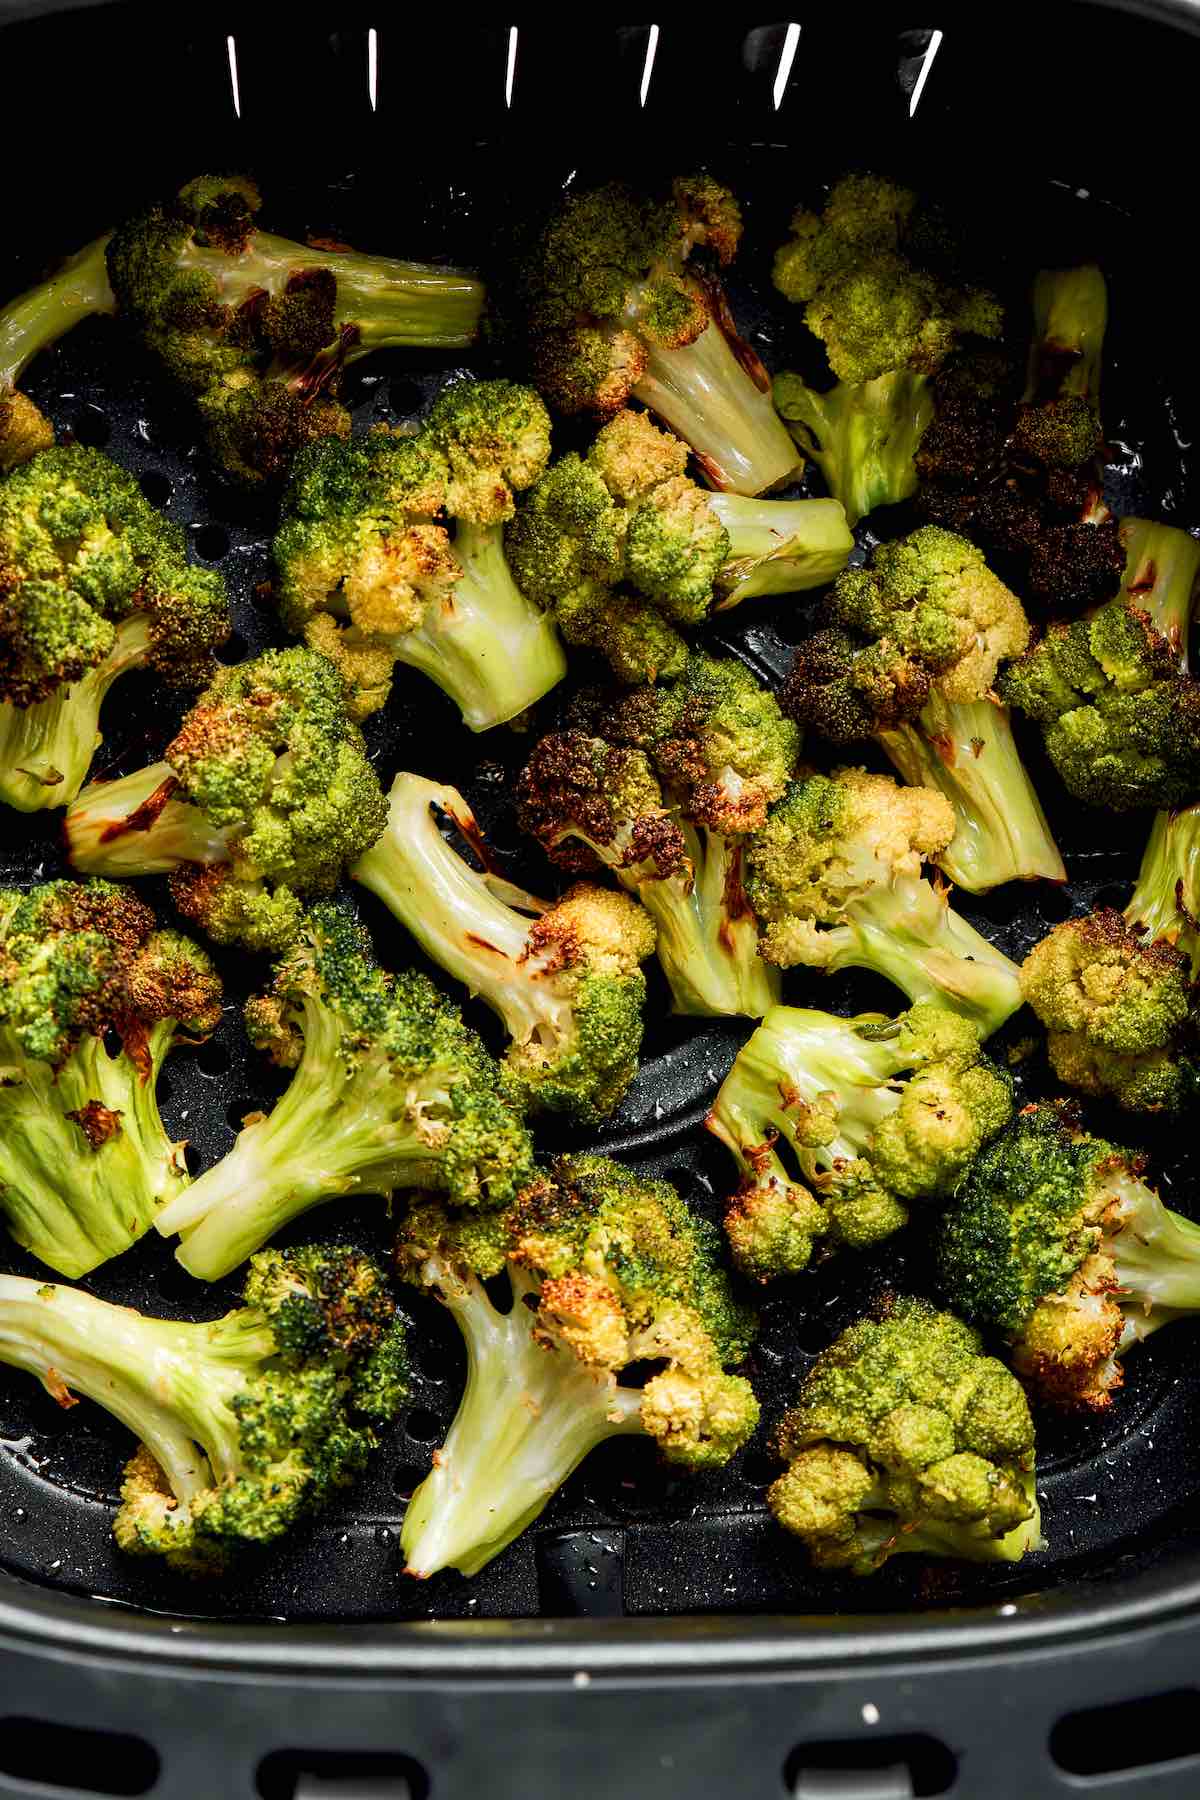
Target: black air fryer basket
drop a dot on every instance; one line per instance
(648, 1632)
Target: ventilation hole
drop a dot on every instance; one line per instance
(407, 1479)
(90, 426)
(1134, 1734)
(211, 542)
(156, 487)
(499, 1291)
(237, 1111)
(405, 396)
(1053, 901)
(234, 649)
(213, 1058)
(193, 1161)
(54, 1755)
(423, 1426)
(759, 1470)
(1114, 895)
(286, 1773)
(818, 1771)
(112, 1043)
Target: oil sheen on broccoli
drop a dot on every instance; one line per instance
(839, 1125)
(247, 1423)
(390, 1090)
(93, 996)
(608, 1271)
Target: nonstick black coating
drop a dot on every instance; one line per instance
(623, 1535)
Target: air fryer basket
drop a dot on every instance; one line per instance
(657, 1628)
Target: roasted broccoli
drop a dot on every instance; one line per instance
(907, 1438)
(1117, 1007)
(835, 879)
(622, 548)
(909, 656)
(1057, 1241)
(367, 576)
(93, 582)
(564, 978)
(246, 1423)
(390, 1090)
(33, 321)
(609, 1271)
(614, 310)
(723, 752)
(876, 1113)
(92, 999)
(257, 329)
(1165, 904)
(264, 795)
(888, 320)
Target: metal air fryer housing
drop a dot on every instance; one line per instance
(648, 1632)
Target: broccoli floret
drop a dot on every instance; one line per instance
(1116, 1006)
(876, 1112)
(390, 1090)
(23, 430)
(592, 799)
(615, 309)
(264, 794)
(258, 329)
(835, 879)
(607, 1270)
(564, 978)
(246, 1423)
(1056, 1240)
(32, 322)
(92, 999)
(907, 1438)
(1165, 904)
(908, 656)
(93, 582)
(368, 577)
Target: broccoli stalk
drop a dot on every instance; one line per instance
(862, 435)
(1165, 903)
(1070, 316)
(707, 932)
(966, 750)
(43, 314)
(137, 825)
(245, 1423)
(1162, 574)
(390, 1090)
(778, 546)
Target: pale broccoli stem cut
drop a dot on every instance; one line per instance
(528, 1417)
(779, 546)
(1070, 317)
(489, 649)
(965, 749)
(721, 407)
(1165, 903)
(707, 931)
(43, 314)
(1162, 573)
(136, 826)
(863, 436)
(46, 749)
(1156, 1256)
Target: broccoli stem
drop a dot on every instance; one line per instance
(965, 749)
(46, 749)
(1165, 903)
(174, 1385)
(863, 436)
(909, 934)
(779, 546)
(47, 312)
(710, 400)
(529, 1416)
(707, 932)
(937, 1537)
(134, 826)
(1162, 568)
(72, 1205)
(486, 646)
(1070, 314)
(1156, 1253)
(382, 303)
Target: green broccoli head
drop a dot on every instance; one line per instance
(85, 1162)
(609, 1271)
(495, 436)
(906, 1437)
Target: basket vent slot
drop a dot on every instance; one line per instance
(879, 1768)
(331, 1774)
(1134, 1734)
(61, 1758)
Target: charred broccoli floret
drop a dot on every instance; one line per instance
(875, 1112)
(907, 1438)
(1117, 1008)
(390, 1090)
(835, 879)
(32, 322)
(257, 329)
(368, 576)
(1057, 1241)
(608, 1271)
(616, 308)
(92, 999)
(908, 656)
(264, 795)
(93, 582)
(564, 978)
(246, 1423)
